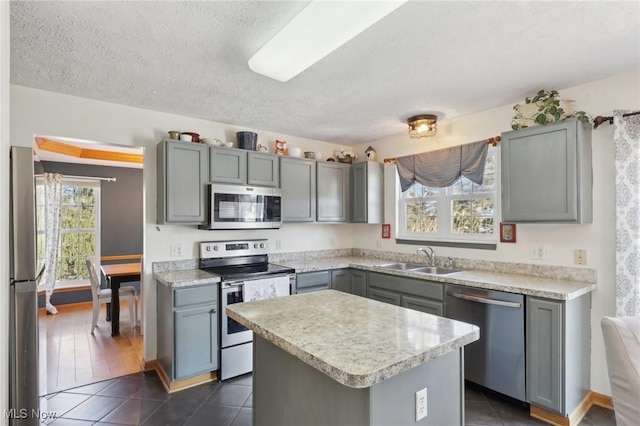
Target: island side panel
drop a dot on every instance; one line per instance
(287, 391)
(393, 400)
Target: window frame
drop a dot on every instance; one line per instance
(87, 183)
(446, 197)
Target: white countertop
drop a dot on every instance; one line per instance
(356, 341)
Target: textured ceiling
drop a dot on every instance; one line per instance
(445, 57)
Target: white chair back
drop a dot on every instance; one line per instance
(95, 283)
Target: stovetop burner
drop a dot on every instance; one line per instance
(234, 260)
(232, 273)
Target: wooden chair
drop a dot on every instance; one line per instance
(103, 295)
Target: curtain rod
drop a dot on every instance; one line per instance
(600, 119)
(106, 179)
(493, 141)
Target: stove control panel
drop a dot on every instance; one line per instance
(213, 249)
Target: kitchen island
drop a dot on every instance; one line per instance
(334, 358)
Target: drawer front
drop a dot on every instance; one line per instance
(419, 304)
(313, 279)
(195, 295)
(415, 287)
(384, 296)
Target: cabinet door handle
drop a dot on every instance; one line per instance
(214, 310)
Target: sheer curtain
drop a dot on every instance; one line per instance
(626, 137)
(52, 217)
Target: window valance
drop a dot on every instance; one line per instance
(443, 167)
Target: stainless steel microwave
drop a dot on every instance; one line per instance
(244, 207)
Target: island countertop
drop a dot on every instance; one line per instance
(356, 341)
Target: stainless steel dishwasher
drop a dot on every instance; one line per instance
(497, 359)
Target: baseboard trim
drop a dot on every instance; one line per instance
(67, 290)
(151, 365)
(591, 399)
(602, 400)
(179, 385)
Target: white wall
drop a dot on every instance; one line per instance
(598, 238)
(4, 206)
(53, 114)
(46, 113)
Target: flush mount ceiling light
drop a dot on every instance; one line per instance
(321, 28)
(421, 126)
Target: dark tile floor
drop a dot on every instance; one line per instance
(140, 399)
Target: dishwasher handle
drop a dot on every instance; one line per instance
(485, 300)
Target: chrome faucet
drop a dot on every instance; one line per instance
(429, 253)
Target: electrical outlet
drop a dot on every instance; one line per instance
(537, 253)
(331, 242)
(176, 250)
(278, 245)
(580, 257)
(421, 404)
(379, 242)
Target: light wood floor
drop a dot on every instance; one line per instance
(71, 356)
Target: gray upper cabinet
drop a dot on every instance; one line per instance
(298, 186)
(240, 166)
(366, 192)
(332, 191)
(547, 173)
(227, 165)
(183, 169)
(263, 169)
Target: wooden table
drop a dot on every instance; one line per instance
(116, 274)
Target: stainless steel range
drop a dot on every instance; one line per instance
(238, 262)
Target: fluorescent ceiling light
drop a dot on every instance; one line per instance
(321, 28)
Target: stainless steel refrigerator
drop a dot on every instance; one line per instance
(23, 338)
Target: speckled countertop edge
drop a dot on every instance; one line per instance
(514, 283)
(383, 360)
(185, 273)
(186, 278)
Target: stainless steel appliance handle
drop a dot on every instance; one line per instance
(239, 283)
(485, 300)
(227, 284)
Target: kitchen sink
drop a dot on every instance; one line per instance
(403, 266)
(436, 270)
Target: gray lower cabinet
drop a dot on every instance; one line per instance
(547, 173)
(348, 280)
(332, 192)
(298, 186)
(313, 281)
(366, 192)
(183, 172)
(359, 282)
(558, 352)
(341, 280)
(239, 166)
(420, 295)
(187, 330)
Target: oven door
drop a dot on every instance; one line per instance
(232, 332)
(242, 207)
